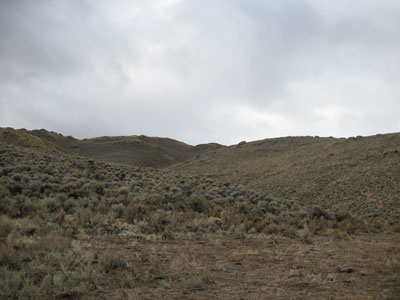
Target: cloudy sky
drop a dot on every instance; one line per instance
(201, 70)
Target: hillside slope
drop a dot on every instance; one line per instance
(359, 174)
(22, 138)
(77, 228)
(133, 150)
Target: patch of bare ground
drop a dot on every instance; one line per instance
(258, 267)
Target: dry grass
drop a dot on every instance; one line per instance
(355, 174)
(76, 228)
(261, 267)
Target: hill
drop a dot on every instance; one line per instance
(73, 227)
(130, 150)
(357, 174)
(360, 174)
(22, 138)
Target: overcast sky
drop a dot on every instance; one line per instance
(201, 70)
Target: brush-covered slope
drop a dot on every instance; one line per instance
(131, 150)
(43, 183)
(24, 139)
(76, 228)
(357, 174)
(360, 174)
(135, 150)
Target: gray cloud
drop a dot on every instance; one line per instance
(201, 71)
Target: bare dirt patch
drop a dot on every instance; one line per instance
(217, 267)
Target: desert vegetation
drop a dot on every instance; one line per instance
(357, 174)
(73, 227)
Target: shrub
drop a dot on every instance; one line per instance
(396, 227)
(271, 229)
(52, 243)
(123, 191)
(50, 205)
(111, 261)
(118, 209)
(5, 202)
(242, 208)
(317, 226)
(99, 188)
(17, 177)
(269, 207)
(14, 188)
(6, 226)
(342, 215)
(9, 257)
(61, 198)
(317, 212)
(198, 203)
(26, 179)
(157, 200)
(87, 219)
(351, 226)
(69, 205)
(130, 214)
(296, 222)
(28, 227)
(158, 221)
(21, 206)
(180, 206)
(135, 211)
(102, 208)
(16, 285)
